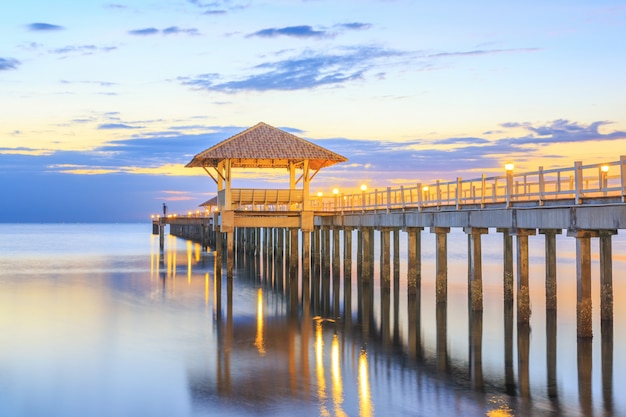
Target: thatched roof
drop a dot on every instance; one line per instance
(264, 146)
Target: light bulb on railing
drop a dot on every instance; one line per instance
(319, 193)
(509, 166)
(363, 187)
(604, 168)
(335, 191)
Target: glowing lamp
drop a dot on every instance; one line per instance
(335, 191)
(363, 187)
(319, 193)
(604, 168)
(509, 166)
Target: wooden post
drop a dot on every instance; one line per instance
(347, 275)
(584, 324)
(475, 267)
(442, 263)
(336, 253)
(606, 275)
(366, 268)
(230, 254)
(523, 292)
(414, 275)
(385, 277)
(550, 236)
(578, 181)
(293, 255)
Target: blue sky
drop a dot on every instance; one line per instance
(103, 103)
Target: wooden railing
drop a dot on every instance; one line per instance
(254, 199)
(599, 183)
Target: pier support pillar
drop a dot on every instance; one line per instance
(293, 255)
(442, 263)
(161, 236)
(550, 235)
(385, 256)
(336, 254)
(347, 276)
(584, 327)
(475, 288)
(414, 276)
(230, 254)
(606, 275)
(367, 260)
(523, 292)
(507, 249)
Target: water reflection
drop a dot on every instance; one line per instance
(173, 327)
(378, 325)
(259, 342)
(366, 408)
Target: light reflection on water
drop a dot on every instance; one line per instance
(121, 329)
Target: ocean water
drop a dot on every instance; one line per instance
(96, 321)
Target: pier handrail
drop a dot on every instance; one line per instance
(598, 183)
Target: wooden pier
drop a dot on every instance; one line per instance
(587, 201)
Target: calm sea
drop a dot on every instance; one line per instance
(96, 321)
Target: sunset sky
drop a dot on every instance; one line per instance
(103, 104)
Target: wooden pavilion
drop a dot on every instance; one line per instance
(264, 146)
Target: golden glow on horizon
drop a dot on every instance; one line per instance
(319, 193)
(259, 342)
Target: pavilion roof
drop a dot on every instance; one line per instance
(210, 202)
(264, 146)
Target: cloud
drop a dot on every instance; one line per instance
(44, 27)
(457, 141)
(307, 31)
(82, 49)
(144, 32)
(303, 31)
(8, 64)
(218, 7)
(110, 126)
(309, 70)
(483, 52)
(172, 30)
(354, 26)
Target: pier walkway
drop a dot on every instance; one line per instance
(587, 201)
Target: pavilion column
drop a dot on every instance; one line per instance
(306, 186)
(227, 189)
